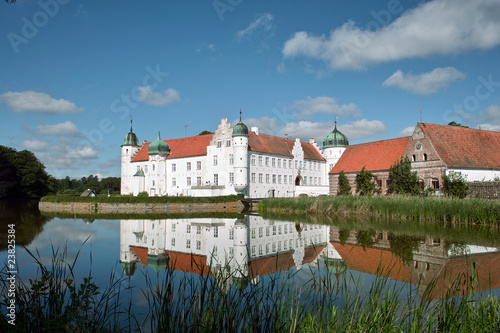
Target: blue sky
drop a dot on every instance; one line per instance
(73, 72)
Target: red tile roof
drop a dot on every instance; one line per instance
(374, 156)
(373, 261)
(269, 144)
(461, 147)
(262, 143)
(183, 147)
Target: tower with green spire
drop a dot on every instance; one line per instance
(240, 146)
(334, 146)
(130, 147)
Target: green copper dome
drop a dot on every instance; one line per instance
(129, 268)
(240, 129)
(131, 139)
(335, 266)
(335, 139)
(159, 147)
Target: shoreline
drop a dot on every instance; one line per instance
(98, 208)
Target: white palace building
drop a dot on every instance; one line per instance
(230, 161)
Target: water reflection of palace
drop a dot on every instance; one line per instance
(433, 262)
(250, 247)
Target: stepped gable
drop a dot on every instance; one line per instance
(375, 156)
(461, 147)
(183, 147)
(373, 261)
(268, 144)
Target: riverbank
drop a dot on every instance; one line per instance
(421, 209)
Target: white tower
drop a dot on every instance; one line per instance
(130, 147)
(240, 146)
(334, 146)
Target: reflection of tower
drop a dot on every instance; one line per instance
(130, 147)
(240, 146)
(239, 264)
(158, 152)
(299, 250)
(128, 259)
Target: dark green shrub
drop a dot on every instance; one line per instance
(344, 187)
(454, 185)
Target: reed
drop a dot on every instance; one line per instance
(221, 301)
(451, 210)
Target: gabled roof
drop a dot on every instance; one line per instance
(375, 156)
(275, 145)
(183, 147)
(461, 147)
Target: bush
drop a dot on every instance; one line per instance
(454, 185)
(402, 179)
(364, 183)
(143, 195)
(344, 187)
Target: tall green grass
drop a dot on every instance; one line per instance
(227, 302)
(138, 199)
(456, 211)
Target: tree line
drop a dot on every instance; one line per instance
(23, 176)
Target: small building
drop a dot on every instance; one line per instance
(88, 193)
(376, 157)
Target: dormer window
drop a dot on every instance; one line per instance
(425, 157)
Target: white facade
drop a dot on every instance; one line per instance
(257, 165)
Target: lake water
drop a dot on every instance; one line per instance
(244, 250)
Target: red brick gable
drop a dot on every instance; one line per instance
(183, 147)
(461, 147)
(275, 145)
(375, 156)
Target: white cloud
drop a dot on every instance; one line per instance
(488, 119)
(437, 27)
(407, 131)
(35, 145)
(31, 101)
(150, 97)
(425, 83)
(265, 124)
(328, 105)
(363, 128)
(262, 22)
(306, 130)
(62, 129)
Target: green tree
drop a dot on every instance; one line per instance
(364, 183)
(454, 185)
(403, 246)
(205, 132)
(344, 187)
(454, 123)
(365, 238)
(401, 179)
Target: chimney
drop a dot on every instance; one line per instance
(255, 129)
(286, 136)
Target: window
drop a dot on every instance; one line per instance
(267, 231)
(198, 165)
(413, 158)
(146, 169)
(216, 179)
(296, 164)
(253, 177)
(252, 159)
(273, 162)
(260, 178)
(279, 229)
(188, 166)
(305, 165)
(228, 142)
(260, 250)
(274, 230)
(253, 251)
(319, 180)
(279, 162)
(198, 229)
(215, 160)
(253, 233)
(267, 161)
(260, 160)
(188, 228)
(173, 227)
(231, 233)
(153, 167)
(425, 157)
(290, 179)
(274, 179)
(379, 183)
(231, 177)
(153, 183)
(198, 245)
(267, 248)
(289, 164)
(305, 180)
(261, 229)
(285, 178)
(173, 242)
(188, 181)
(174, 182)
(435, 184)
(267, 179)
(174, 167)
(188, 243)
(216, 232)
(198, 181)
(279, 179)
(219, 143)
(231, 159)
(139, 168)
